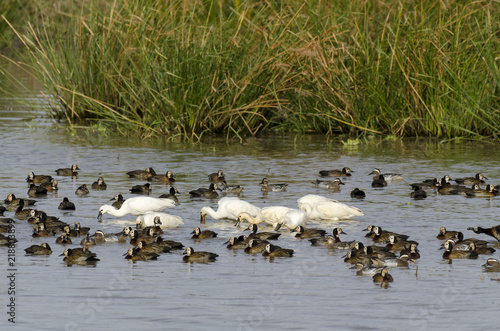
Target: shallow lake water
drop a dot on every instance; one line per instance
(314, 289)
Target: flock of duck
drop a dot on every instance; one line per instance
(147, 242)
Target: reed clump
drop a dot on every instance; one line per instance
(188, 68)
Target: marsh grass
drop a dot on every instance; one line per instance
(188, 68)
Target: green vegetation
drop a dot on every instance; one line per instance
(189, 68)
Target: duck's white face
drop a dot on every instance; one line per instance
(188, 251)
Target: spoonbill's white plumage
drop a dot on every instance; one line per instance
(318, 207)
(271, 215)
(166, 220)
(229, 208)
(137, 206)
(292, 219)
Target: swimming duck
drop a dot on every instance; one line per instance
(21, 212)
(428, 184)
(82, 190)
(66, 205)
(42, 249)
(148, 237)
(412, 252)
(345, 172)
(482, 250)
(276, 251)
(229, 208)
(12, 200)
(329, 184)
(205, 234)
(383, 277)
(168, 178)
(446, 188)
(418, 193)
(256, 246)
(488, 192)
(153, 247)
(333, 241)
(358, 194)
(80, 230)
(397, 245)
(381, 235)
(39, 230)
(233, 189)
(118, 201)
(171, 194)
(88, 241)
(202, 257)
(318, 207)
(68, 171)
(38, 179)
(79, 256)
(491, 265)
(261, 235)
(237, 243)
(266, 187)
(164, 220)
(142, 189)
(171, 243)
(99, 184)
(352, 258)
(477, 179)
(135, 254)
(445, 234)
(375, 252)
(63, 239)
(209, 193)
(50, 186)
(136, 206)
(35, 190)
(142, 174)
(457, 254)
(494, 231)
(387, 176)
(308, 233)
(100, 237)
(216, 177)
(401, 261)
(366, 270)
(379, 181)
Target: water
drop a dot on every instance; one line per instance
(314, 289)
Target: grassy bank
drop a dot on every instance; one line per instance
(188, 68)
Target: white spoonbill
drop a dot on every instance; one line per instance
(164, 220)
(292, 219)
(229, 208)
(136, 206)
(318, 207)
(272, 215)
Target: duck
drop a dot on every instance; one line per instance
(164, 220)
(205, 234)
(66, 205)
(482, 250)
(401, 261)
(88, 241)
(216, 177)
(237, 243)
(445, 234)
(79, 256)
(488, 192)
(344, 172)
(457, 254)
(136, 206)
(446, 188)
(99, 184)
(261, 235)
(256, 246)
(35, 190)
(418, 193)
(72, 171)
(148, 237)
(100, 237)
(427, 184)
(201, 257)
(153, 247)
(375, 252)
(171, 243)
(171, 194)
(118, 201)
(273, 251)
(63, 239)
(135, 254)
(229, 208)
(478, 179)
(308, 233)
(227, 189)
(383, 277)
(210, 193)
(21, 212)
(329, 184)
(51, 186)
(42, 249)
(366, 270)
(142, 174)
(318, 207)
(333, 241)
(80, 230)
(412, 252)
(491, 265)
(292, 219)
(38, 179)
(382, 235)
(271, 215)
(168, 178)
(358, 194)
(39, 230)
(82, 190)
(266, 187)
(141, 189)
(12, 200)
(379, 181)
(352, 258)
(387, 176)
(493, 231)
(397, 245)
